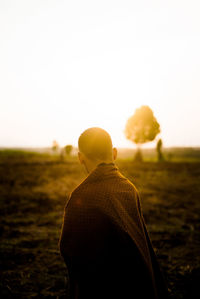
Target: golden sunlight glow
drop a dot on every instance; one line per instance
(67, 66)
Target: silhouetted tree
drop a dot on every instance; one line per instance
(68, 149)
(159, 150)
(62, 154)
(55, 147)
(142, 127)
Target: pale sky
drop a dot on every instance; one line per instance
(69, 65)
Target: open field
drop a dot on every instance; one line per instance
(171, 154)
(33, 192)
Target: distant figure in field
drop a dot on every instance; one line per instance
(159, 150)
(104, 240)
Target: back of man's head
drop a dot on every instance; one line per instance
(96, 144)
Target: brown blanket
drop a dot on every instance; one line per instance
(104, 240)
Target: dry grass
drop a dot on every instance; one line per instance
(33, 192)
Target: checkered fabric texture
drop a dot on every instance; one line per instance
(105, 243)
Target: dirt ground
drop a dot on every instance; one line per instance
(32, 198)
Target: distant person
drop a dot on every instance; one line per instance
(104, 240)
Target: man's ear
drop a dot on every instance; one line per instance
(80, 157)
(114, 153)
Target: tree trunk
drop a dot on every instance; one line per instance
(138, 155)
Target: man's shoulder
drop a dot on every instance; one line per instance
(116, 183)
(91, 197)
(80, 195)
(82, 188)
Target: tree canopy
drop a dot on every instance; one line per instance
(68, 149)
(142, 126)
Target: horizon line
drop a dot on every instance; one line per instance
(75, 147)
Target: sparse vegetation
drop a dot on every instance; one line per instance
(33, 192)
(55, 147)
(68, 149)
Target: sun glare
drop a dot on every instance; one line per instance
(66, 67)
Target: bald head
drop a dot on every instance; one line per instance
(96, 144)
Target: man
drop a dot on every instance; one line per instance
(104, 241)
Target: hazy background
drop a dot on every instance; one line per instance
(69, 65)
